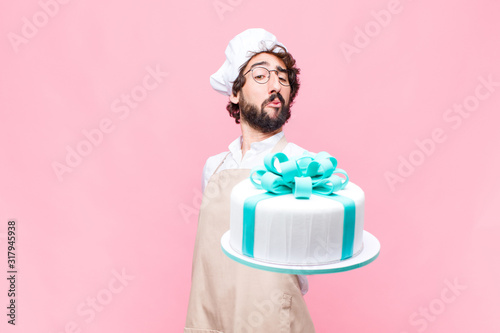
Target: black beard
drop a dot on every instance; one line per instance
(261, 120)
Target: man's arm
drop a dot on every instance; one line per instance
(204, 178)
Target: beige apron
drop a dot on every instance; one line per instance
(229, 297)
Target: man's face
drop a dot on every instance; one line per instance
(265, 107)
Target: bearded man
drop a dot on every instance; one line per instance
(261, 80)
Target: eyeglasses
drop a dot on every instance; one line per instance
(261, 75)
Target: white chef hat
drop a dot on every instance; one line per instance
(238, 51)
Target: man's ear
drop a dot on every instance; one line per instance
(235, 99)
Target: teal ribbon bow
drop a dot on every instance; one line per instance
(302, 176)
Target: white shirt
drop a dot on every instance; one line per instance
(253, 157)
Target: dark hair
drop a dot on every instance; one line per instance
(293, 75)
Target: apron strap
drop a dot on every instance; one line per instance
(280, 145)
(220, 164)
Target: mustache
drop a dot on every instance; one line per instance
(272, 98)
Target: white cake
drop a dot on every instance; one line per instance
(297, 231)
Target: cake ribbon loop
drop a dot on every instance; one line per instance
(302, 176)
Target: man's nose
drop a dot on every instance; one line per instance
(274, 83)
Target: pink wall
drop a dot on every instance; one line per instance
(395, 90)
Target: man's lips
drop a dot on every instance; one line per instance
(275, 104)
